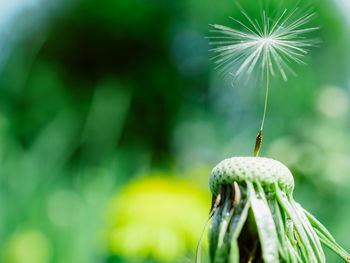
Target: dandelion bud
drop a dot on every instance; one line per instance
(255, 219)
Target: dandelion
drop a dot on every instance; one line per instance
(269, 46)
(254, 217)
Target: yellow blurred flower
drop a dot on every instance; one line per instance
(30, 246)
(157, 216)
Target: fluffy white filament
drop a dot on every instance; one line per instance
(270, 44)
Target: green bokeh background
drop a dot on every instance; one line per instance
(97, 97)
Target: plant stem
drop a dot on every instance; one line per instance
(258, 141)
(266, 95)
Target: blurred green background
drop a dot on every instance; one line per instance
(112, 116)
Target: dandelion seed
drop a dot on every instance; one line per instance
(271, 46)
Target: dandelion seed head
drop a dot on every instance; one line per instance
(270, 45)
(267, 40)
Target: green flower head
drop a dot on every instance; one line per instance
(255, 219)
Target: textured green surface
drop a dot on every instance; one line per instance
(255, 169)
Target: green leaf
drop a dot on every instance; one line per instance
(234, 253)
(293, 254)
(310, 231)
(214, 232)
(266, 227)
(221, 252)
(326, 238)
(334, 247)
(305, 246)
(236, 225)
(280, 227)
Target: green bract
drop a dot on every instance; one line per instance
(255, 219)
